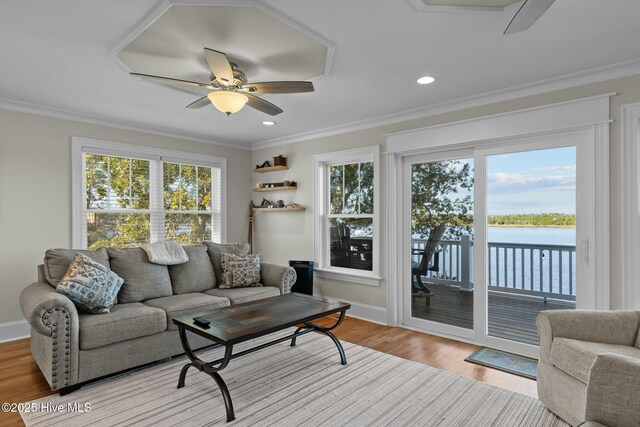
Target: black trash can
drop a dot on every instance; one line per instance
(304, 282)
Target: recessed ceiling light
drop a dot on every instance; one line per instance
(268, 123)
(425, 80)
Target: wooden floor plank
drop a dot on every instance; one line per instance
(22, 380)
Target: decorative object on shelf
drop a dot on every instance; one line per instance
(293, 205)
(280, 203)
(252, 208)
(280, 160)
(266, 164)
(259, 185)
(266, 203)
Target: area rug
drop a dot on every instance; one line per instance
(297, 386)
(508, 362)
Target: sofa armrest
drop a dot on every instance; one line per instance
(45, 309)
(612, 391)
(280, 276)
(608, 327)
(55, 328)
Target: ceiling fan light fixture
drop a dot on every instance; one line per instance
(425, 80)
(228, 102)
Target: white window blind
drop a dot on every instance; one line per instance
(129, 198)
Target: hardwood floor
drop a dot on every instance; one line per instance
(21, 381)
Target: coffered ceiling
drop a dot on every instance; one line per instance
(72, 57)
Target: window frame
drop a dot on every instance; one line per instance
(156, 156)
(322, 215)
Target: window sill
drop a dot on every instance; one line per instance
(364, 279)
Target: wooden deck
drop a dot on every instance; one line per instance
(511, 316)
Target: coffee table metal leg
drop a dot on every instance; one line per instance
(208, 368)
(326, 331)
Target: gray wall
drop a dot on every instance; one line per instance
(283, 236)
(35, 191)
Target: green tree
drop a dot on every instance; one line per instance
(442, 192)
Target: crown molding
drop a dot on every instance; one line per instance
(590, 76)
(60, 113)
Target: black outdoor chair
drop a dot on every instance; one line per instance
(429, 261)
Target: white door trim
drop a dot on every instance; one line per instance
(630, 199)
(586, 114)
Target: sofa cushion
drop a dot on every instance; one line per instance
(125, 322)
(196, 275)
(240, 295)
(576, 357)
(638, 340)
(142, 279)
(181, 305)
(215, 249)
(57, 261)
(90, 285)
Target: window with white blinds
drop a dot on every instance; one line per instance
(129, 198)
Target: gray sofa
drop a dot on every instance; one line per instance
(71, 348)
(589, 367)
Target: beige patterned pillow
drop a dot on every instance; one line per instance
(239, 271)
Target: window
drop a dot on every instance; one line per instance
(347, 226)
(126, 195)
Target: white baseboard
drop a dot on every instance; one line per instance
(370, 313)
(11, 331)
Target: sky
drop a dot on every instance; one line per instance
(541, 181)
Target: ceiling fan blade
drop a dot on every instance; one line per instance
(177, 83)
(262, 105)
(527, 15)
(278, 87)
(219, 64)
(199, 103)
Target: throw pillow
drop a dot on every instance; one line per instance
(239, 271)
(90, 285)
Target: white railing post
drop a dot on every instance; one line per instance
(465, 260)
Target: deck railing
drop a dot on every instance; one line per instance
(542, 270)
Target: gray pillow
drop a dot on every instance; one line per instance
(142, 279)
(90, 285)
(196, 275)
(57, 261)
(215, 249)
(240, 271)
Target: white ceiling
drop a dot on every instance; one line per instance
(59, 55)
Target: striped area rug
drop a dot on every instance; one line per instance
(300, 386)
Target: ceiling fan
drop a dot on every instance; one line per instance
(228, 89)
(527, 15)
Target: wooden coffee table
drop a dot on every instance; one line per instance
(242, 322)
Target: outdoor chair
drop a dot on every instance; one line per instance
(428, 262)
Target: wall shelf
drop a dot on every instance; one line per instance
(267, 189)
(298, 209)
(271, 169)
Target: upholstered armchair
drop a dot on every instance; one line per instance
(589, 368)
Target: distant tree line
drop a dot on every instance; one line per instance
(533, 220)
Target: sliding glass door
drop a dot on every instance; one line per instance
(493, 233)
(531, 239)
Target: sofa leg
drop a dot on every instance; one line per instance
(70, 389)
